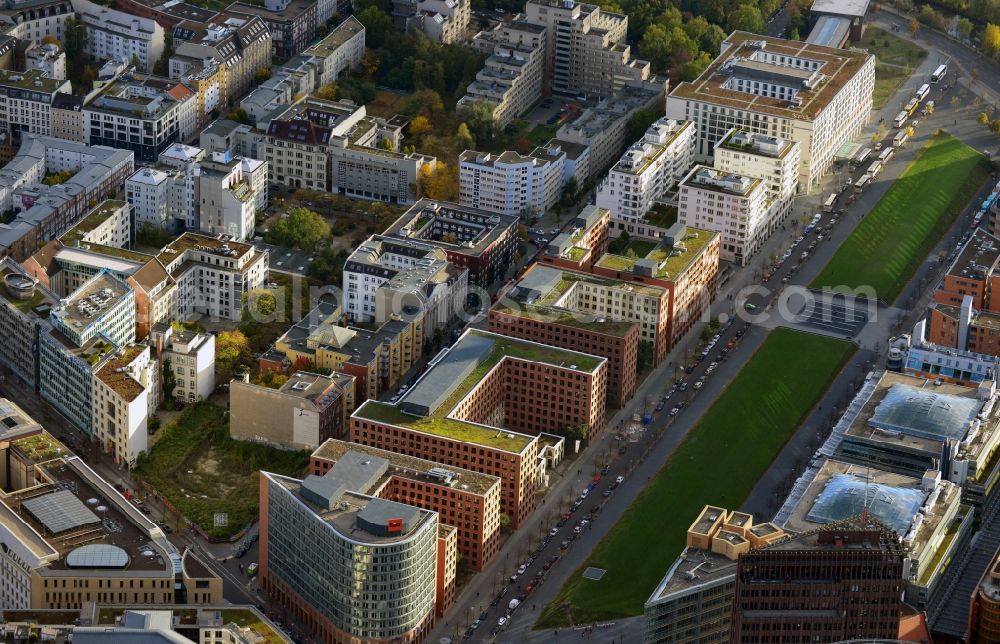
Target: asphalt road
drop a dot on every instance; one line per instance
(667, 432)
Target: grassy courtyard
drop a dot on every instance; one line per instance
(200, 470)
(895, 58)
(718, 463)
(892, 240)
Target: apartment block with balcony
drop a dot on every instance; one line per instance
(509, 183)
(444, 21)
(119, 35)
(24, 310)
(584, 244)
(648, 169)
(26, 101)
(685, 262)
(387, 278)
(513, 77)
(772, 160)
(816, 96)
(734, 206)
(125, 397)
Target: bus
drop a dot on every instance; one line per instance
(899, 139)
(923, 91)
(886, 155)
(830, 201)
(911, 106)
(900, 119)
(939, 73)
(861, 156)
(862, 181)
(874, 169)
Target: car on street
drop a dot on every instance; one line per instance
(606, 493)
(553, 532)
(675, 411)
(660, 405)
(521, 569)
(475, 625)
(620, 480)
(605, 470)
(502, 621)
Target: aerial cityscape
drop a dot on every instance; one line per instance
(500, 321)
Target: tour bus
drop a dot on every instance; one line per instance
(886, 155)
(939, 73)
(923, 91)
(861, 182)
(900, 119)
(862, 156)
(828, 205)
(874, 169)
(911, 106)
(899, 139)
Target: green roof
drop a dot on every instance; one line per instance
(554, 315)
(121, 253)
(670, 266)
(447, 427)
(249, 619)
(97, 216)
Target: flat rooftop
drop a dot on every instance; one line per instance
(95, 218)
(41, 302)
(842, 490)
(97, 295)
(429, 221)
(16, 424)
(930, 406)
(853, 8)
(665, 261)
(113, 373)
(223, 247)
(837, 66)
(411, 467)
(71, 513)
(352, 506)
(978, 258)
(694, 569)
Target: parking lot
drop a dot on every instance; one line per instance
(833, 313)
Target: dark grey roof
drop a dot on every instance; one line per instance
(429, 393)
(358, 472)
(322, 491)
(60, 511)
(377, 514)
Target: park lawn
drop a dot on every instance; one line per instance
(195, 458)
(895, 57)
(892, 240)
(718, 463)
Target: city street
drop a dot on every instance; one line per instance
(770, 491)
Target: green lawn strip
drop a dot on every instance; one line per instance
(718, 463)
(886, 248)
(222, 469)
(896, 58)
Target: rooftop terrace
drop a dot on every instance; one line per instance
(670, 261)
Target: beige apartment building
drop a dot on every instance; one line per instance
(512, 78)
(585, 48)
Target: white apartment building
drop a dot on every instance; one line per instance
(191, 359)
(255, 173)
(512, 79)
(117, 35)
(586, 52)
(148, 192)
(124, 397)
(731, 205)
(648, 169)
(48, 59)
(141, 113)
(109, 224)
(815, 96)
(391, 265)
(33, 21)
(26, 100)
(212, 274)
(339, 51)
(444, 21)
(774, 161)
(88, 326)
(508, 183)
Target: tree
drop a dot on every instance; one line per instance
(386, 144)
(983, 118)
(51, 40)
(257, 303)
(327, 92)
(322, 31)
(991, 40)
(369, 64)
(302, 228)
(995, 127)
(478, 116)
(378, 26)
(239, 115)
(746, 17)
(420, 126)
(262, 75)
(232, 349)
(914, 26)
(169, 380)
(438, 181)
(303, 363)
(328, 266)
(576, 433)
(638, 123)
(464, 138)
(643, 356)
(963, 27)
